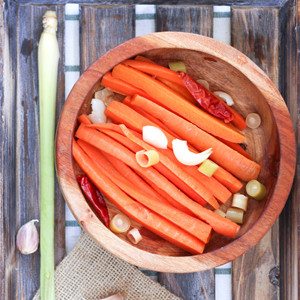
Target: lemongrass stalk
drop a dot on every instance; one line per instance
(48, 56)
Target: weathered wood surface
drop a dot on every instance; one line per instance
(264, 3)
(20, 168)
(258, 33)
(290, 217)
(192, 18)
(96, 24)
(14, 279)
(195, 19)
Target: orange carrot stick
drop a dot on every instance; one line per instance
(179, 183)
(166, 196)
(122, 114)
(190, 224)
(236, 147)
(106, 144)
(228, 180)
(135, 210)
(230, 159)
(160, 124)
(179, 89)
(106, 126)
(84, 119)
(122, 140)
(190, 181)
(143, 58)
(128, 173)
(217, 189)
(154, 69)
(120, 86)
(173, 102)
(238, 120)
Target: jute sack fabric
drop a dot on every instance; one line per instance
(89, 272)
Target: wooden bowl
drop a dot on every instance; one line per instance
(272, 145)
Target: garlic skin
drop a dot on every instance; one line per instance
(28, 238)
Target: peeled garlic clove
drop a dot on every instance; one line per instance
(98, 109)
(226, 97)
(204, 83)
(28, 238)
(155, 137)
(187, 157)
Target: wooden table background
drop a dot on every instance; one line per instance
(266, 31)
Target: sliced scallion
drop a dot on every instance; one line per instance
(177, 66)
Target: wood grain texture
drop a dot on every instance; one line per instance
(193, 18)
(256, 32)
(196, 19)
(190, 286)
(264, 3)
(97, 22)
(290, 217)
(256, 91)
(21, 201)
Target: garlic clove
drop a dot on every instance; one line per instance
(27, 240)
(98, 109)
(155, 137)
(187, 157)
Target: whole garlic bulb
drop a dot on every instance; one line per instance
(28, 238)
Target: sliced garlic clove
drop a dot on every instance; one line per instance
(98, 109)
(226, 97)
(187, 157)
(155, 137)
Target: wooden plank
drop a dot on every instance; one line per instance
(196, 19)
(190, 286)
(97, 22)
(256, 32)
(22, 202)
(178, 2)
(7, 180)
(289, 247)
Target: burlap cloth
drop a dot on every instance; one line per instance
(89, 272)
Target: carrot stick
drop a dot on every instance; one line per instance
(216, 188)
(179, 183)
(144, 184)
(154, 69)
(228, 158)
(190, 224)
(173, 102)
(228, 180)
(143, 58)
(160, 124)
(120, 86)
(84, 119)
(106, 144)
(236, 147)
(135, 210)
(160, 167)
(179, 89)
(238, 120)
(122, 140)
(122, 114)
(106, 126)
(167, 197)
(128, 173)
(190, 181)
(110, 146)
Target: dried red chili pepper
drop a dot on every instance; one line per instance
(94, 199)
(206, 99)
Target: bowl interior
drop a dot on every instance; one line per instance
(261, 143)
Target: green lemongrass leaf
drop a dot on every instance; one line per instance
(48, 56)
